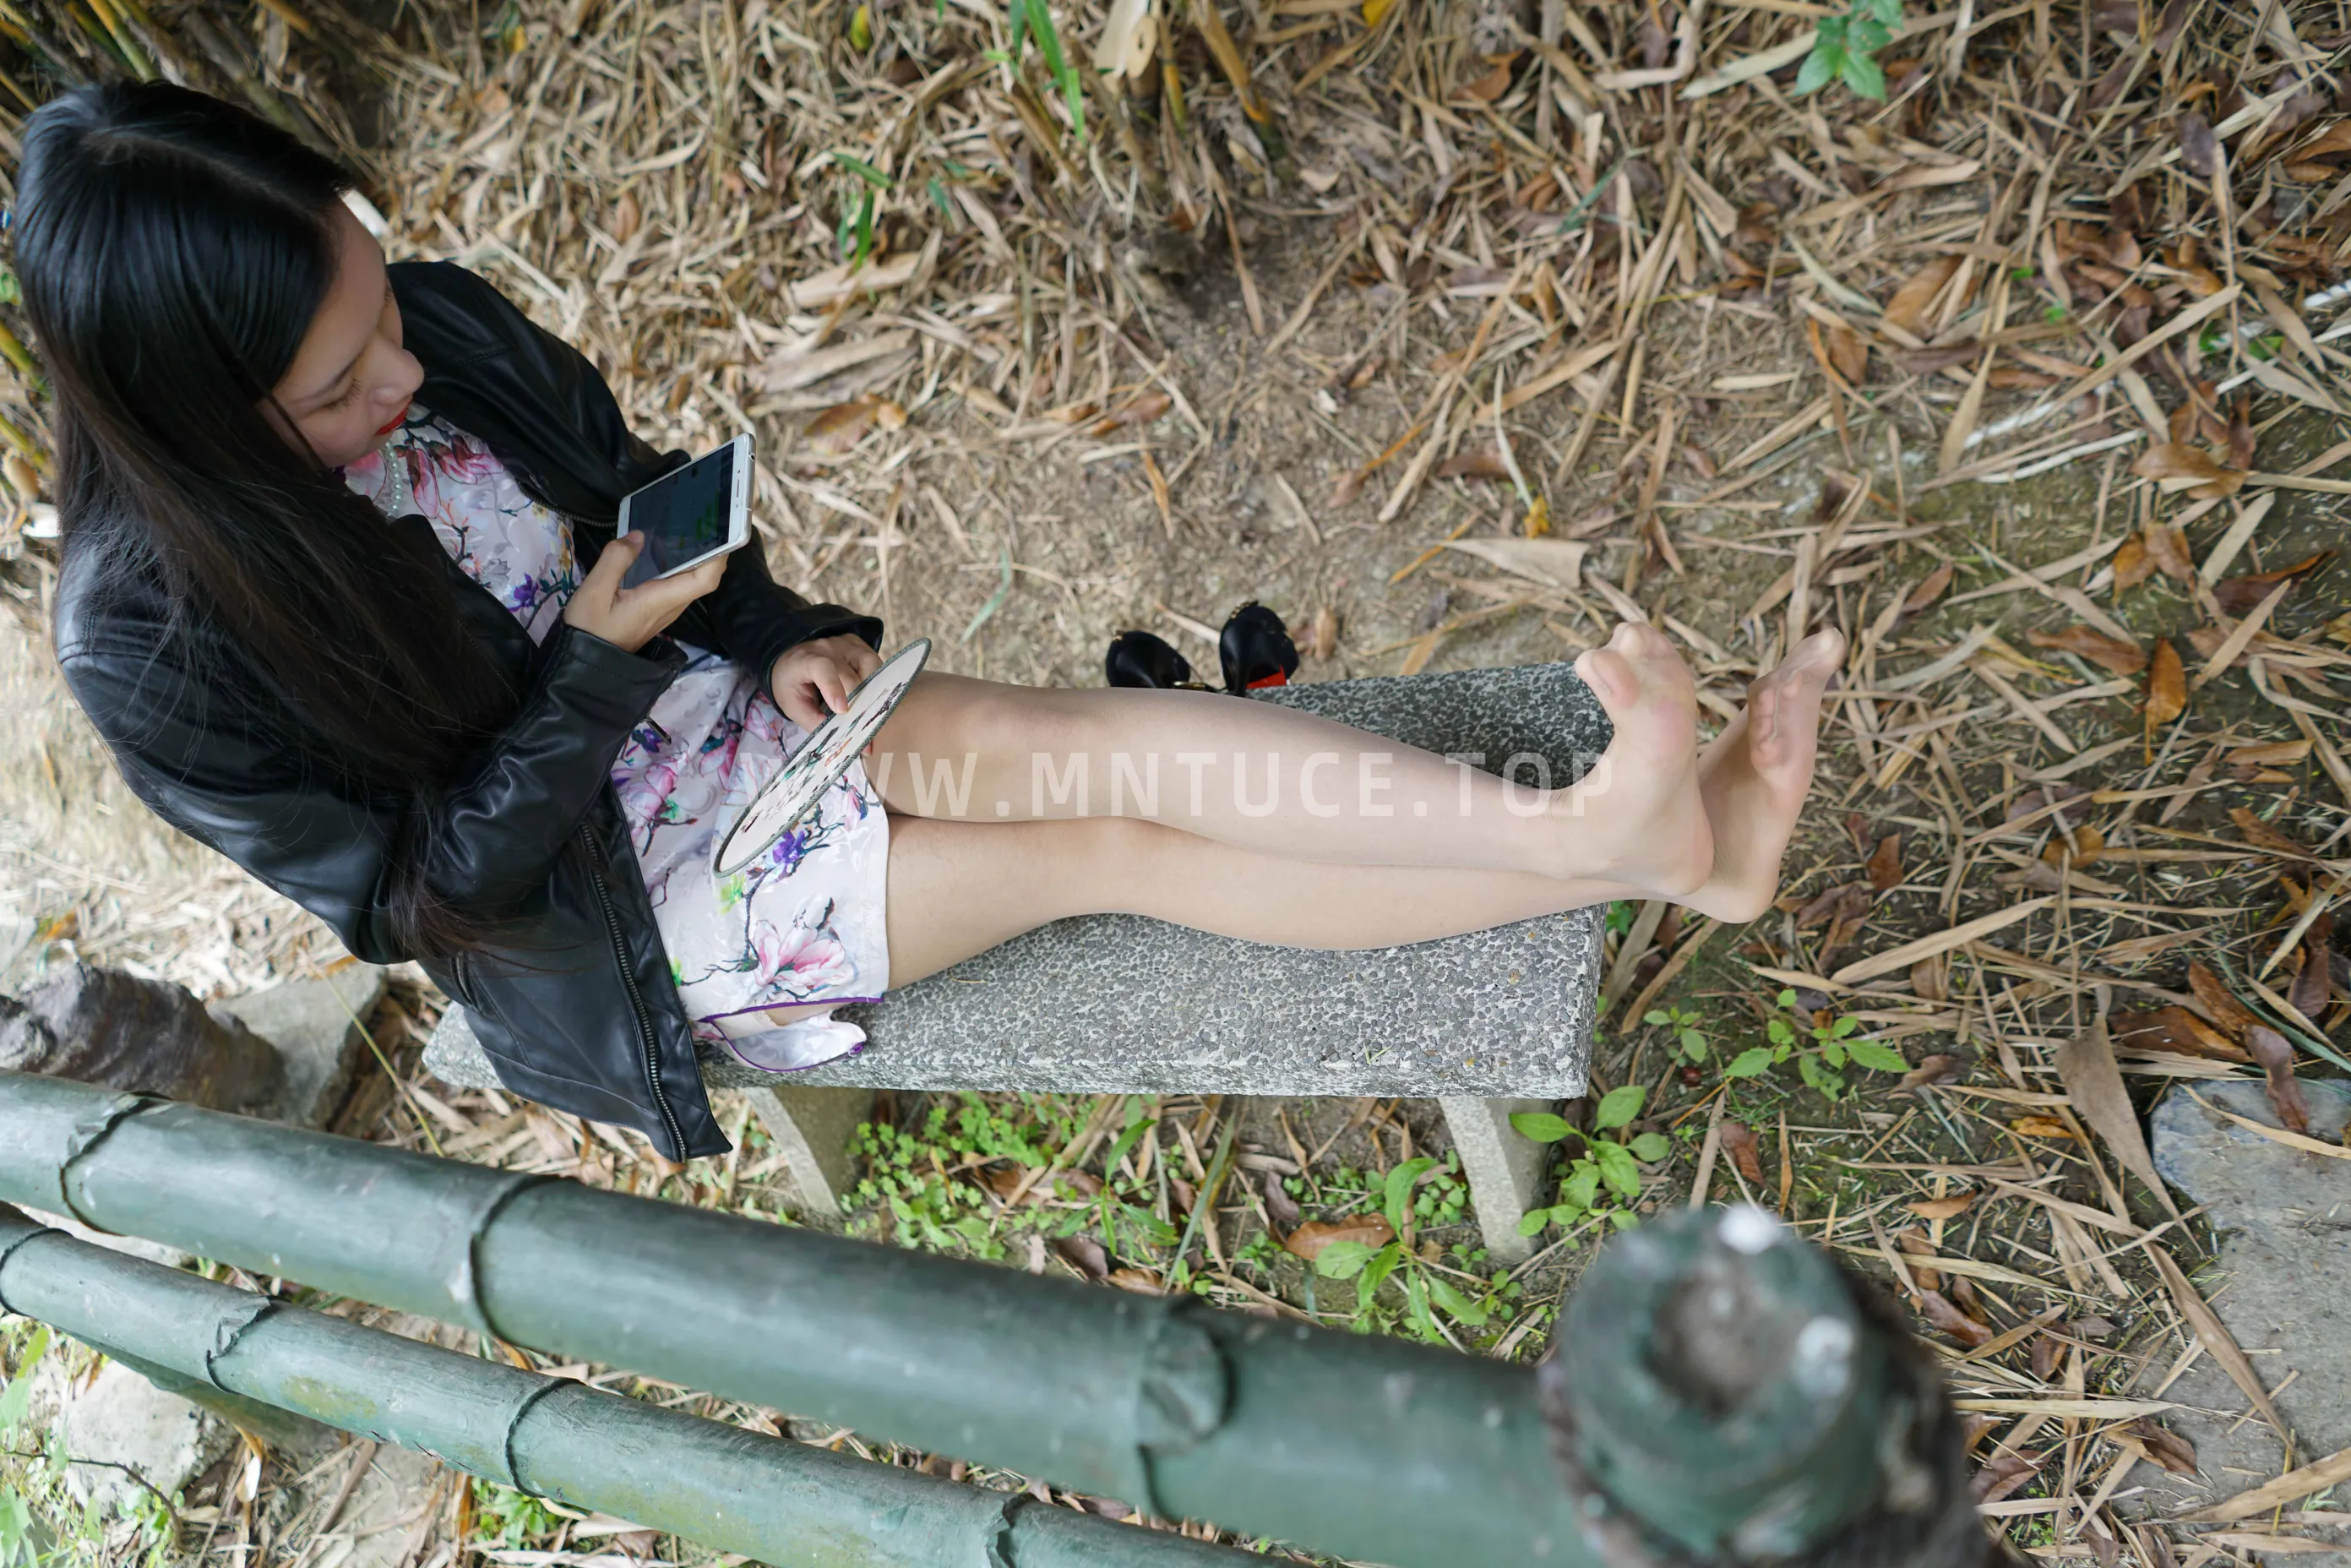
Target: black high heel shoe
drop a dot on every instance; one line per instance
(1141, 659)
(1256, 650)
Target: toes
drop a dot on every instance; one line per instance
(1610, 676)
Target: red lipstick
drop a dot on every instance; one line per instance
(397, 420)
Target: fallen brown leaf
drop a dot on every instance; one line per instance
(1931, 1070)
(2168, 547)
(1931, 981)
(1309, 1239)
(1844, 902)
(2314, 979)
(2218, 1003)
(2173, 1029)
(2132, 564)
(1907, 308)
(1476, 463)
(2083, 847)
(1849, 354)
(2264, 837)
(1739, 1143)
(2277, 1056)
(1936, 1309)
(1885, 864)
(2240, 595)
(1949, 1207)
(1929, 588)
(2003, 1475)
(1142, 410)
(2159, 1444)
(838, 429)
(1281, 1208)
(2166, 687)
(2040, 1127)
(2094, 646)
(1084, 1254)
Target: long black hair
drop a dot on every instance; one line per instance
(171, 250)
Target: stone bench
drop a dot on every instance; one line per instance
(1487, 1024)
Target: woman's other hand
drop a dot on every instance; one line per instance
(628, 618)
(812, 680)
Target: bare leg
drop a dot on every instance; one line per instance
(1284, 783)
(958, 889)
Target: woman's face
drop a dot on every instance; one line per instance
(350, 383)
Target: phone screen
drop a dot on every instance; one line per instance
(684, 515)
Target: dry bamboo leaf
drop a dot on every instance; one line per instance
(2276, 1057)
(1145, 409)
(2268, 754)
(1907, 308)
(2219, 1342)
(1136, 1279)
(1885, 863)
(1322, 635)
(1491, 86)
(2270, 1496)
(1909, 952)
(1738, 1142)
(2166, 687)
(1558, 563)
(2085, 1065)
(1309, 1239)
(2093, 646)
(1930, 980)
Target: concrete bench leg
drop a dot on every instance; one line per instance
(811, 1126)
(1504, 1166)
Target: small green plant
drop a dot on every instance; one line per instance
(1034, 18)
(854, 235)
(1426, 1291)
(1833, 1043)
(1606, 1177)
(1689, 1040)
(1846, 49)
(513, 1519)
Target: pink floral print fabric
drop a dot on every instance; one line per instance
(804, 924)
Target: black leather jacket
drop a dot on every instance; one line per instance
(585, 1017)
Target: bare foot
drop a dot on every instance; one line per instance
(1637, 817)
(1753, 777)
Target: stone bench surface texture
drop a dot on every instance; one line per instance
(1120, 1003)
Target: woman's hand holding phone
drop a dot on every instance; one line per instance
(628, 618)
(811, 680)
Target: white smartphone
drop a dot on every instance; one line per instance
(691, 514)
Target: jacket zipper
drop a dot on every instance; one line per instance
(637, 998)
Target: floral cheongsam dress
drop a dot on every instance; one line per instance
(803, 925)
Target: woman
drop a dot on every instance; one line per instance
(342, 592)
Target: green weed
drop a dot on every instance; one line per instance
(1846, 49)
(1834, 1042)
(1601, 1183)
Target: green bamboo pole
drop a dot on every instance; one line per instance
(1721, 1394)
(780, 1503)
(1360, 1446)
